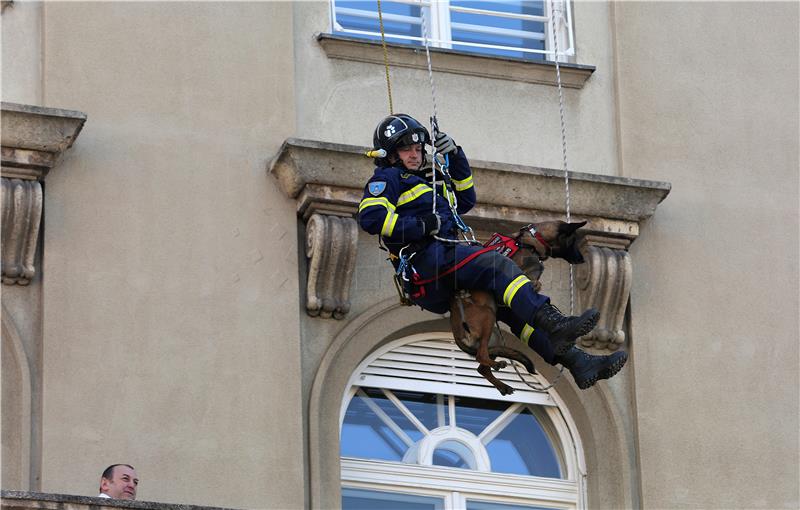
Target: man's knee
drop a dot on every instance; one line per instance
(500, 266)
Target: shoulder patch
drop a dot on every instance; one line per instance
(377, 187)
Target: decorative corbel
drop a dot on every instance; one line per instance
(22, 215)
(604, 282)
(33, 141)
(331, 244)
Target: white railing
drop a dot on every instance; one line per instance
(440, 27)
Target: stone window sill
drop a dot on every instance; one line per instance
(456, 62)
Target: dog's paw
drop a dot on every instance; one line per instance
(505, 389)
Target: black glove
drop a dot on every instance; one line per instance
(430, 224)
(444, 144)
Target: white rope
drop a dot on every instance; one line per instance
(563, 141)
(434, 131)
(428, 57)
(433, 99)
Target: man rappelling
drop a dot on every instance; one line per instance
(417, 218)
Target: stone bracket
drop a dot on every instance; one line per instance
(331, 245)
(604, 282)
(22, 214)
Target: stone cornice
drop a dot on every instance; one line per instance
(455, 61)
(34, 138)
(329, 177)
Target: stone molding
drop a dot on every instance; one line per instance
(328, 178)
(331, 245)
(24, 500)
(33, 141)
(455, 61)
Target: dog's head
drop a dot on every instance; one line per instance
(561, 239)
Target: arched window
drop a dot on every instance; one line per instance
(421, 429)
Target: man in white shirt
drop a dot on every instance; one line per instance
(118, 481)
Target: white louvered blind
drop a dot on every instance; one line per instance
(439, 366)
(517, 28)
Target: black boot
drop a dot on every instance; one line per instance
(562, 330)
(587, 368)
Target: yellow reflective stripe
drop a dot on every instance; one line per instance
(370, 201)
(525, 335)
(513, 287)
(412, 194)
(463, 184)
(389, 223)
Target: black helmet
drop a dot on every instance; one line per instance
(396, 131)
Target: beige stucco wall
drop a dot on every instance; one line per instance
(714, 110)
(173, 331)
(170, 290)
(21, 38)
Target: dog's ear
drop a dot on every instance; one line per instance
(569, 228)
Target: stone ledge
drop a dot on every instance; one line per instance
(330, 178)
(457, 62)
(35, 137)
(23, 500)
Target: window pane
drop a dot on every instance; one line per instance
(499, 30)
(367, 435)
(423, 406)
(475, 414)
(523, 448)
(361, 499)
(398, 19)
(453, 454)
(487, 505)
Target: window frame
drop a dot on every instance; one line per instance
(464, 484)
(436, 15)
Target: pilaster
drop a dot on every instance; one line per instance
(34, 139)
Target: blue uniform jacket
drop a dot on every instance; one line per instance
(395, 199)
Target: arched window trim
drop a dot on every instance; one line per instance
(559, 426)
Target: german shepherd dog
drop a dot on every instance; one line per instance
(473, 313)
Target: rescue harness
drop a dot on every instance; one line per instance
(504, 245)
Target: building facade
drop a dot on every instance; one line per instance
(185, 288)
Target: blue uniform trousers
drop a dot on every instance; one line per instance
(443, 268)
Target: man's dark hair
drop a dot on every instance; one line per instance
(108, 474)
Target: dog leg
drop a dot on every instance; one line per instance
(502, 387)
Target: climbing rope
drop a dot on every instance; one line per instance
(467, 233)
(566, 185)
(385, 59)
(430, 69)
(563, 141)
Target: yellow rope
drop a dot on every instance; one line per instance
(385, 59)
